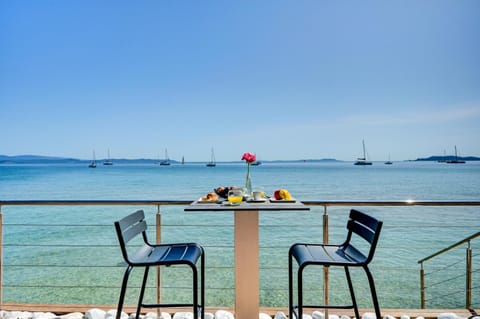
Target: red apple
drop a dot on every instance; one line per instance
(276, 194)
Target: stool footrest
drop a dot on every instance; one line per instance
(163, 305)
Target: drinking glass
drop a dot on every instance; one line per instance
(235, 196)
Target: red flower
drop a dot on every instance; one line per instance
(249, 157)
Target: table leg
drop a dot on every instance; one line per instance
(246, 265)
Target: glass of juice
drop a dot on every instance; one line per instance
(235, 196)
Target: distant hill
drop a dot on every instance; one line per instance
(437, 158)
(24, 159)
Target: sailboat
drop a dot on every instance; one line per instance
(108, 161)
(212, 162)
(456, 160)
(389, 162)
(93, 163)
(362, 160)
(166, 161)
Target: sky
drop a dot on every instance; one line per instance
(283, 79)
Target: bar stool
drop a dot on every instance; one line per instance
(158, 255)
(344, 255)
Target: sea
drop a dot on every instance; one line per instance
(69, 254)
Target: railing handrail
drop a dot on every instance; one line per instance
(186, 202)
(461, 242)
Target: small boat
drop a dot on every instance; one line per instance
(166, 161)
(256, 163)
(212, 162)
(183, 160)
(108, 161)
(362, 160)
(93, 163)
(389, 162)
(456, 160)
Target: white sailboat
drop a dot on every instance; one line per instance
(212, 162)
(108, 161)
(93, 163)
(166, 161)
(389, 162)
(362, 160)
(456, 160)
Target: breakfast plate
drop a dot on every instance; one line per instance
(202, 201)
(261, 200)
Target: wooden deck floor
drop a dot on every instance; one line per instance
(60, 309)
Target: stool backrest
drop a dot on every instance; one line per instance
(367, 228)
(130, 227)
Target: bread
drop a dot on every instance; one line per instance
(210, 197)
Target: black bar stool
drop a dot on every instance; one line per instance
(158, 255)
(344, 255)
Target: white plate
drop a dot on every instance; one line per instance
(263, 200)
(201, 201)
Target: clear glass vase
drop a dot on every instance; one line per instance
(248, 181)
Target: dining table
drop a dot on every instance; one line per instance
(246, 245)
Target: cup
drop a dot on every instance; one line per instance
(258, 194)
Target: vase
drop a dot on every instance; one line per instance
(248, 181)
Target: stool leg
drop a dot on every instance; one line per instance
(142, 292)
(352, 293)
(122, 291)
(290, 287)
(195, 291)
(373, 292)
(300, 293)
(202, 283)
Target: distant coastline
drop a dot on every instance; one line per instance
(436, 158)
(39, 159)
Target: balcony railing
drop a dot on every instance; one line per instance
(73, 248)
(444, 275)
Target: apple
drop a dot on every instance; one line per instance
(276, 194)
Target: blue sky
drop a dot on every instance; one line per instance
(285, 79)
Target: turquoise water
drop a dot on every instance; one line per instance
(69, 235)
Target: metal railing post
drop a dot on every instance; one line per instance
(469, 277)
(325, 269)
(158, 241)
(422, 286)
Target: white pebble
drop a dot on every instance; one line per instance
(447, 315)
(388, 317)
(222, 314)
(404, 317)
(318, 315)
(264, 316)
(183, 315)
(72, 315)
(344, 317)
(369, 315)
(95, 313)
(280, 315)
(209, 315)
(43, 315)
(17, 315)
